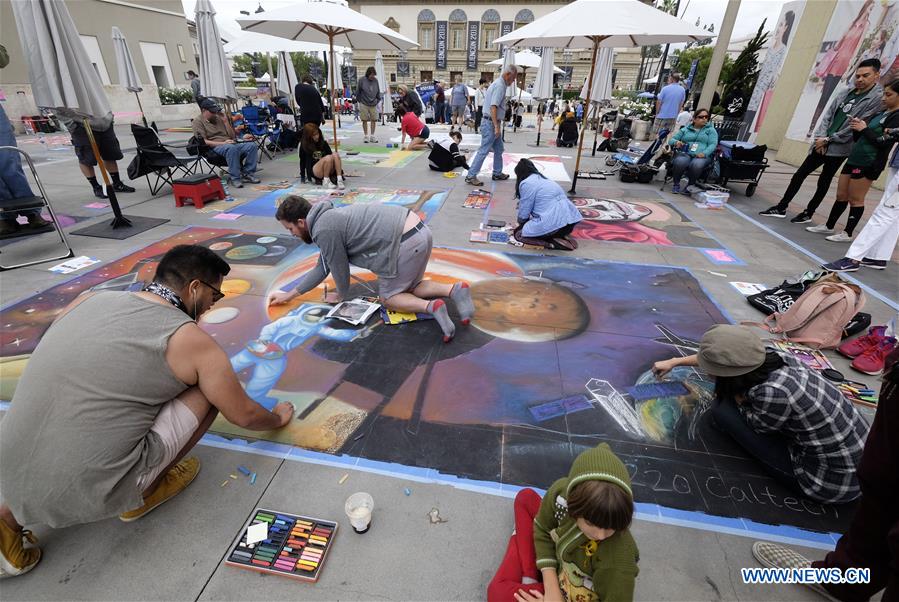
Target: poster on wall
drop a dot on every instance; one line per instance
(402, 68)
(505, 27)
(781, 38)
(440, 63)
(858, 30)
(474, 34)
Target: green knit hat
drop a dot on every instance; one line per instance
(599, 464)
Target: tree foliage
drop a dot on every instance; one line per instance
(683, 60)
(744, 71)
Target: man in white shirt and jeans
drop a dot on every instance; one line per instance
(491, 130)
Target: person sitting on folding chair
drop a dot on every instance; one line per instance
(13, 184)
(216, 132)
(694, 145)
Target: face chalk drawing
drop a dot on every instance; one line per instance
(296, 546)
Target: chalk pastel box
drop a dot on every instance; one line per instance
(296, 546)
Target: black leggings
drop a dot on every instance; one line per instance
(829, 167)
(538, 241)
(771, 449)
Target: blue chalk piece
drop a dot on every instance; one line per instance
(244, 471)
(253, 479)
(560, 407)
(407, 491)
(286, 519)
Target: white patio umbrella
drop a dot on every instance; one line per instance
(386, 100)
(249, 42)
(606, 23)
(63, 79)
(543, 87)
(527, 59)
(127, 72)
(215, 74)
(330, 23)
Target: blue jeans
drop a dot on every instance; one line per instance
(694, 166)
(235, 154)
(489, 142)
(13, 183)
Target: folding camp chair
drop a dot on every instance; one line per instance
(257, 125)
(158, 159)
(11, 208)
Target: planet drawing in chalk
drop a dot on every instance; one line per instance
(276, 250)
(221, 246)
(233, 287)
(245, 252)
(264, 240)
(220, 315)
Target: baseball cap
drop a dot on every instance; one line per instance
(208, 104)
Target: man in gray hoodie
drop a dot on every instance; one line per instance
(368, 93)
(833, 140)
(389, 240)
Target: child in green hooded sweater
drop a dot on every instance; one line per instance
(575, 544)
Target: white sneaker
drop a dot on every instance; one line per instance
(373, 139)
(329, 185)
(841, 237)
(820, 229)
(341, 183)
(365, 139)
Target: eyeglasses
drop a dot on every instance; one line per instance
(217, 295)
(702, 117)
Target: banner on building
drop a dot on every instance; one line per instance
(402, 68)
(694, 66)
(780, 42)
(440, 63)
(504, 28)
(858, 30)
(474, 34)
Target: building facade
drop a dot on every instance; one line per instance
(157, 35)
(456, 41)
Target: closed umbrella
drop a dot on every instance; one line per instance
(125, 64)
(543, 87)
(602, 85)
(326, 22)
(287, 75)
(216, 78)
(387, 101)
(606, 23)
(63, 78)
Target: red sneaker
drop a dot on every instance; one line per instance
(856, 347)
(872, 360)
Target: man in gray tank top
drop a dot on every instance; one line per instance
(103, 432)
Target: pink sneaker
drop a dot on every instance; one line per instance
(858, 346)
(871, 361)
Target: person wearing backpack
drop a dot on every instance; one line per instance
(786, 415)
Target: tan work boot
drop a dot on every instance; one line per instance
(175, 481)
(16, 559)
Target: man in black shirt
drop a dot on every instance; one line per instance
(310, 102)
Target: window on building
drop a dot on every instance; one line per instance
(455, 77)
(490, 33)
(426, 21)
(181, 53)
(92, 47)
(157, 61)
(487, 76)
(393, 78)
(457, 37)
(426, 76)
(523, 17)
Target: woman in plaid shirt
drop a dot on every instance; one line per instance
(784, 414)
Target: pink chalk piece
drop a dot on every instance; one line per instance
(229, 217)
(97, 205)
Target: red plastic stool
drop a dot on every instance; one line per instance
(198, 189)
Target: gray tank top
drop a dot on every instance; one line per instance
(77, 434)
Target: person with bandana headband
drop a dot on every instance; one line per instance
(101, 429)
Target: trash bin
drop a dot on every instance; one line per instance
(640, 129)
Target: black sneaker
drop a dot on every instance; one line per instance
(122, 187)
(501, 176)
(877, 264)
(774, 212)
(802, 218)
(98, 192)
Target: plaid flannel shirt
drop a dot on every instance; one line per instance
(826, 432)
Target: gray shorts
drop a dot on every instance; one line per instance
(458, 110)
(412, 262)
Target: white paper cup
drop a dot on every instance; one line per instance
(358, 509)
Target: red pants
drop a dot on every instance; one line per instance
(520, 560)
(872, 540)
